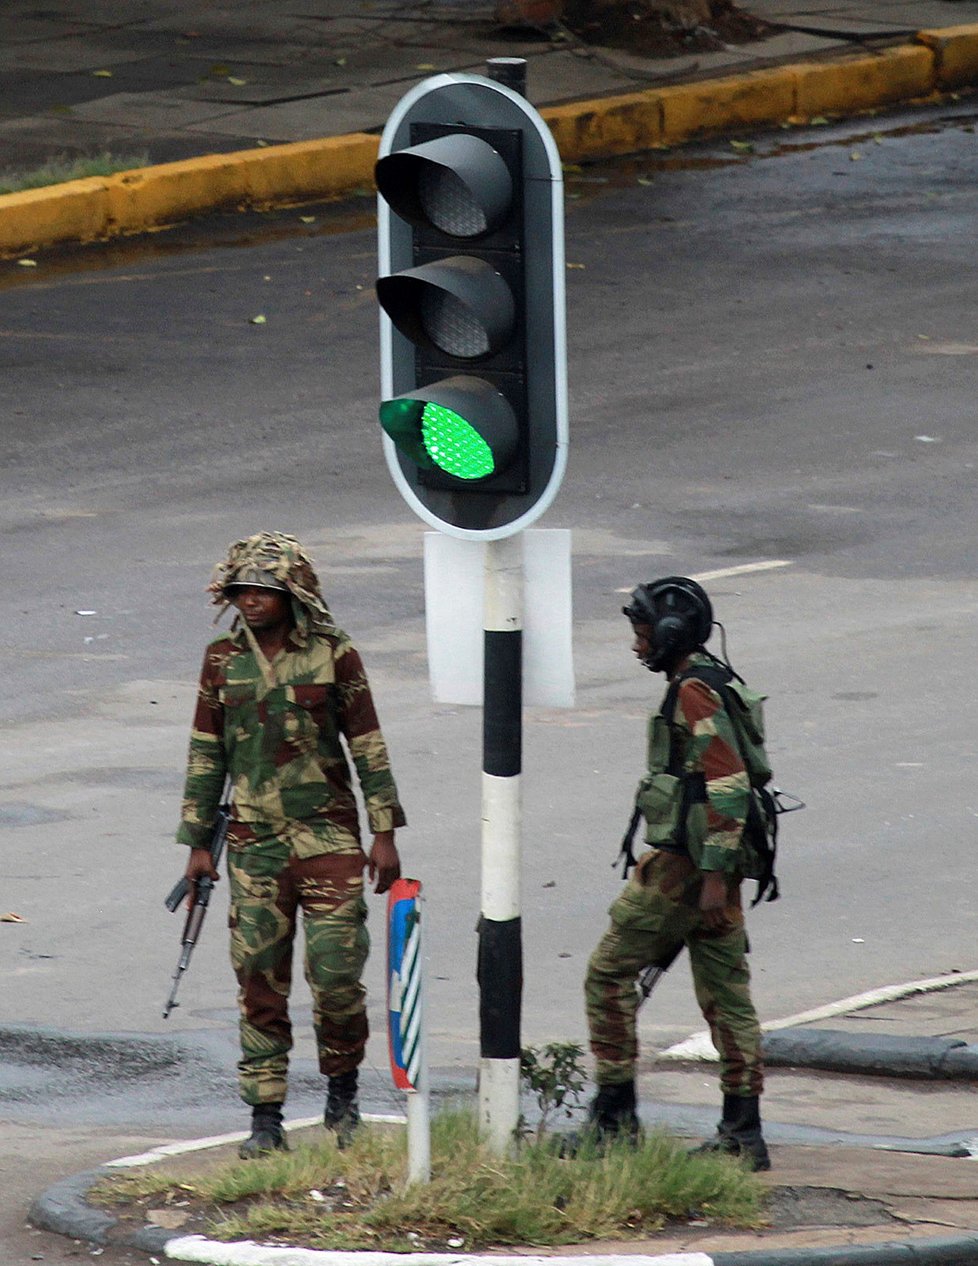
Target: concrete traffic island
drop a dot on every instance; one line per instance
(896, 1185)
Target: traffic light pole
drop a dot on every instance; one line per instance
(510, 71)
(500, 961)
(474, 415)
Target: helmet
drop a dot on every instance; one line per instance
(273, 560)
(255, 578)
(679, 615)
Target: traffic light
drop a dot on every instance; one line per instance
(473, 362)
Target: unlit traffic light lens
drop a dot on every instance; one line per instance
(454, 445)
(449, 203)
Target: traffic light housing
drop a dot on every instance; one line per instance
(473, 361)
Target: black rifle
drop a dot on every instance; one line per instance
(649, 976)
(198, 910)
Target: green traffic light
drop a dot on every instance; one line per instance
(454, 445)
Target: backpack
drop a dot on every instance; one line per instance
(745, 708)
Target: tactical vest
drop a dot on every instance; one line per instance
(674, 802)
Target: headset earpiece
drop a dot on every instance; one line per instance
(679, 615)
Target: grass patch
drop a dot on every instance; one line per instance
(318, 1197)
(58, 170)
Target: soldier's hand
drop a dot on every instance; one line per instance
(383, 862)
(713, 899)
(199, 863)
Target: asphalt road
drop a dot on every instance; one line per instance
(773, 359)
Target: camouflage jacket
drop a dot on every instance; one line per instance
(281, 745)
(713, 777)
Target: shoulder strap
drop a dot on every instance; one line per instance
(765, 814)
(713, 676)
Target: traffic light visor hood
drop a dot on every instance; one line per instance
(460, 306)
(461, 426)
(458, 183)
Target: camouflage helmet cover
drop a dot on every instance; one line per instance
(281, 562)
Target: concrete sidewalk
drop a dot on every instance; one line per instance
(253, 104)
(872, 1163)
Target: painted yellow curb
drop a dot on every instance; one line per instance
(612, 125)
(724, 105)
(956, 53)
(134, 201)
(72, 212)
(860, 83)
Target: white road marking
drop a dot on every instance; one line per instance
(742, 569)
(699, 1046)
(166, 1150)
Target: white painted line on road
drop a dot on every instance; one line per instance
(166, 1150)
(194, 1248)
(698, 1046)
(742, 569)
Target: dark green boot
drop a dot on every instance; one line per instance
(266, 1135)
(342, 1114)
(739, 1132)
(613, 1114)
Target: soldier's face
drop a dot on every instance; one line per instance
(263, 608)
(642, 641)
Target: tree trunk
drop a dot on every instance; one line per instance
(658, 28)
(685, 14)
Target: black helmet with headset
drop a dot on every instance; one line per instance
(678, 614)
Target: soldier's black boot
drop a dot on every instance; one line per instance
(342, 1114)
(612, 1114)
(266, 1134)
(739, 1132)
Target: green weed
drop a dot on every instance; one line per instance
(318, 1196)
(58, 170)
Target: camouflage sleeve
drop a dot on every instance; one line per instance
(711, 750)
(206, 764)
(361, 729)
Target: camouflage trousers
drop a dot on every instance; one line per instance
(658, 910)
(269, 887)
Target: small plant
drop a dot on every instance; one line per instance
(63, 168)
(316, 1196)
(553, 1073)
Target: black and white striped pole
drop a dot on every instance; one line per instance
(500, 961)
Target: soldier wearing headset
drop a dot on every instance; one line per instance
(684, 891)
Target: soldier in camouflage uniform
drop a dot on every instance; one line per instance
(686, 890)
(277, 695)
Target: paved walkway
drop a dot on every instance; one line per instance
(183, 79)
(254, 104)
